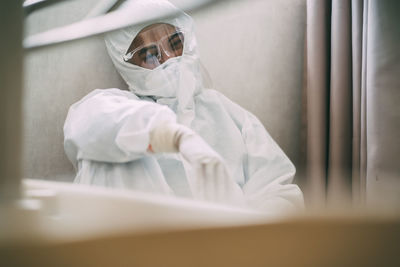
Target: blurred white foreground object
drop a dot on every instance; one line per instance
(53, 211)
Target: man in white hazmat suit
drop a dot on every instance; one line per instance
(171, 134)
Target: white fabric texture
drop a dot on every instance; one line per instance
(230, 158)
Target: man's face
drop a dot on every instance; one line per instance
(154, 45)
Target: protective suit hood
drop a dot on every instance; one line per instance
(181, 76)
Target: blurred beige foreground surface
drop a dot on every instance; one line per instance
(72, 225)
(336, 242)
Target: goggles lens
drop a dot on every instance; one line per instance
(154, 54)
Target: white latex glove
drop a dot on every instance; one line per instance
(208, 174)
(165, 138)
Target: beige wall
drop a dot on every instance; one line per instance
(252, 49)
(254, 53)
(56, 77)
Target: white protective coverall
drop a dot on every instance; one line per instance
(108, 132)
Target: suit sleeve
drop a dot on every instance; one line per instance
(111, 125)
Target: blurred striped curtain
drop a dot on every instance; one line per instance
(351, 103)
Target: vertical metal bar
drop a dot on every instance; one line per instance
(11, 24)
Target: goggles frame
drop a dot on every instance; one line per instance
(159, 45)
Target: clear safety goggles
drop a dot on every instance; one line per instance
(151, 55)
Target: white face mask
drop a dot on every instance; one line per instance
(176, 77)
(165, 78)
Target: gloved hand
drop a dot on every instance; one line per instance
(165, 138)
(208, 174)
(173, 137)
